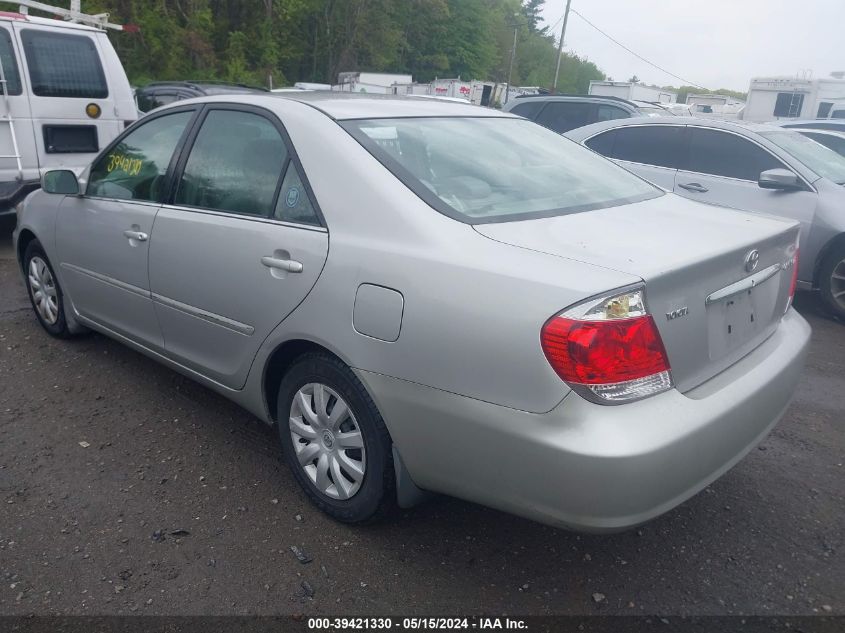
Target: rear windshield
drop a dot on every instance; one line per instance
(62, 65)
(481, 170)
(822, 160)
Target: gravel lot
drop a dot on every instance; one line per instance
(106, 456)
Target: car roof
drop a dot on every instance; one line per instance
(815, 130)
(346, 106)
(569, 97)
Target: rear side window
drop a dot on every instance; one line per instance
(62, 65)
(529, 109)
(836, 143)
(722, 154)
(562, 116)
(10, 64)
(838, 114)
(135, 168)
(293, 204)
(658, 145)
(235, 164)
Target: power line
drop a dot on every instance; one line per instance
(637, 55)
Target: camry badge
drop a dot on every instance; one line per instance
(751, 261)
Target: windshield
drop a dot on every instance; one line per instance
(495, 169)
(822, 160)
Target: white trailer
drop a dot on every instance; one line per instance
(632, 92)
(378, 83)
(774, 98)
(451, 88)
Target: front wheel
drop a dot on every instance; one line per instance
(45, 293)
(832, 282)
(334, 439)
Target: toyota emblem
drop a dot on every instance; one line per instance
(751, 261)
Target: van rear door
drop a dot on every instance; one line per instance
(78, 102)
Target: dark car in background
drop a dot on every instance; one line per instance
(161, 93)
(561, 113)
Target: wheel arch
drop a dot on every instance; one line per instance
(836, 242)
(25, 238)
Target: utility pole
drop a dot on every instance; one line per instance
(510, 65)
(560, 44)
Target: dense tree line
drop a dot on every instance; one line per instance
(252, 41)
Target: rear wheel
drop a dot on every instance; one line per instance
(334, 439)
(832, 282)
(45, 293)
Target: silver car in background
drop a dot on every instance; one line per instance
(755, 167)
(428, 296)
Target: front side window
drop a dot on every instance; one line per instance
(563, 116)
(491, 169)
(235, 164)
(658, 145)
(136, 167)
(789, 104)
(822, 160)
(724, 154)
(10, 64)
(62, 65)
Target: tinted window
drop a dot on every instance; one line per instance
(135, 168)
(562, 116)
(10, 63)
(838, 114)
(293, 204)
(658, 145)
(603, 143)
(488, 169)
(529, 109)
(235, 164)
(836, 143)
(608, 113)
(724, 154)
(63, 65)
(824, 109)
(789, 104)
(150, 100)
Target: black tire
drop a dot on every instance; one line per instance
(59, 328)
(376, 495)
(834, 262)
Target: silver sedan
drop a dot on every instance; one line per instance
(430, 297)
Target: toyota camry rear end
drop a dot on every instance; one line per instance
(577, 346)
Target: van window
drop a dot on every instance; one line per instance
(135, 168)
(10, 64)
(62, 65)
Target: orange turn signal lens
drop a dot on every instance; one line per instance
(93, 110)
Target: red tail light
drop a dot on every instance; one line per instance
(609, 350)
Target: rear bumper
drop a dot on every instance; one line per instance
(587, 466)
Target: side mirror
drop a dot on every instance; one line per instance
(781, 179)
(60, 181)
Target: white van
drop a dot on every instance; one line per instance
(64, 96)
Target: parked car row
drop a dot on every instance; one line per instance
(503, 315)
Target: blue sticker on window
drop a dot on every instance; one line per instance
(292, 197)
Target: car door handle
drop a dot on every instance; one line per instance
(694, 186)
(138, 236)
(288, 265)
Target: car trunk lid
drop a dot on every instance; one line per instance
(711, 304)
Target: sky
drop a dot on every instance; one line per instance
(712, 43)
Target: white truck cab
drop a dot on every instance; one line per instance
(64, 96)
